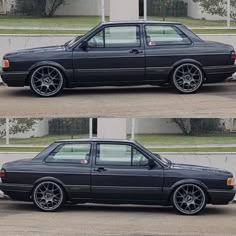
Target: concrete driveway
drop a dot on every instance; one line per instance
(219, 99)
(23, 219)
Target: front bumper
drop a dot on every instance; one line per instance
(20, 192)
(222, 197)
(219, 73)
(14, 79)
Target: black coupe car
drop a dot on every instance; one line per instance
(113, 172)
(122, 54)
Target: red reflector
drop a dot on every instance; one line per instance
(2, 174)
(233, 56)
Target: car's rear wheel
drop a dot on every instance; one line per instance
(47, 81)
(189, 199)
(48, 196)
(187, 78)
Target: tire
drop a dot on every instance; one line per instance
(189, 199)
(187, 78)
(47, 81)
(48, 196)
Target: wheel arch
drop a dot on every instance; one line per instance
(184, 61)
(189, 181)
(51, 179)
(47, 63)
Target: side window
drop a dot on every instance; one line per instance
(113, 154)
(165, 35)
(139, 159)
(120, 155)
(97, 41)
(71, 153)
(116, 37)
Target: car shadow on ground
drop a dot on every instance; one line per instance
(23, 207)
(206, 89)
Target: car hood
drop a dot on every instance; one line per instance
(37, 50)
(199, 168)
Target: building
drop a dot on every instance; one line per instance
(93, 8)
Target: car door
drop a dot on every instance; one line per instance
(71, 164)
(113, 55)
(121, 171)
(165, 45)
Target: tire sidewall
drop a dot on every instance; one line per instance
(40, 95)
(173, 79)
(182, 213)
(44, 210)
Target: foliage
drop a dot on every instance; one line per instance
(199, 126)
(218, 7)
(38, 7)
(17, 126)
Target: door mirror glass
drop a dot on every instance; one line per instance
(151, 163)
(84, 45)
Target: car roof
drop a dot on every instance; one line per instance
(140, 22)
(95, 140)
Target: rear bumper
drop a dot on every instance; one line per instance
(222, 197)
(14, 79)
(20, 192)
(218, 73)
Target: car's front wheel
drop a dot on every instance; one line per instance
(47, 81)
(48, 196)
(189, 199)
(187, 78)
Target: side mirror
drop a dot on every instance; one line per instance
(84, 45)
(151, 163)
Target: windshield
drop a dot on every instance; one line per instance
(163, 160)
(75, 40)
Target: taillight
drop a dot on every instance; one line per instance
(233, 55)
(3, 174)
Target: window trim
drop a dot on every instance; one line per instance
(163, 45)
(69, 163)
(119, 165)
(115, 26)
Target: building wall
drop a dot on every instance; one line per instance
(6, 5)
(83, 8)
(153, 126)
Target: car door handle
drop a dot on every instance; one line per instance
(100, 169)
(135, 51)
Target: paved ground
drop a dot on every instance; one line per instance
(213, 101)
(23, 219)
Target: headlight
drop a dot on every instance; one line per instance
(5, 64)
(230, 182)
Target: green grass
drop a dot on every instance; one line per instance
(89, 21)
(43, 141)
(146, 139)
(158, 139)
(159, 150)
(62, 21)
(194, 22)
(13, 31)
(19, 149)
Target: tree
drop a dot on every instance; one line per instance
(17, 126)
(199, 126)
(38, 7)
(218, 7)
